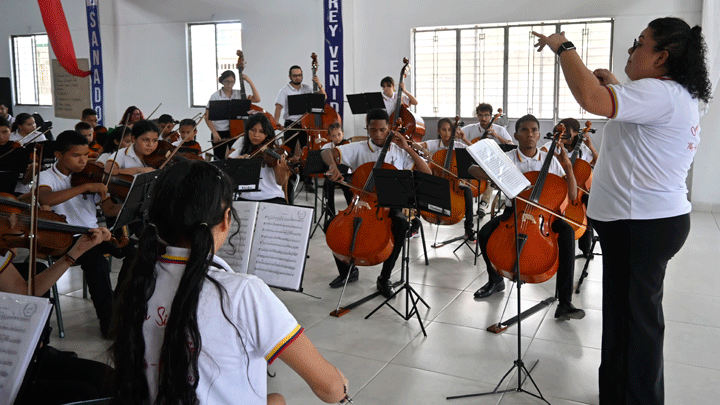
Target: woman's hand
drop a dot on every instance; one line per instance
(553, 41)
(605, 77)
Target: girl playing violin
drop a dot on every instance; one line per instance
(23, 127)
(166, 123)
(119, 138)
(445, 127)
(190, 329)
(639, 204)
(187, 131)
(16, 185)
(258, 130)
(131, 160)
(56, 191)
(390, 95)
(529, 158)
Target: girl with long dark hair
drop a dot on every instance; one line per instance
(190, 330)
(638, 204)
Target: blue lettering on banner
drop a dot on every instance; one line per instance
(334, 55)
(97, 94)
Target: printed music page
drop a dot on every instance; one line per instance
(22, 320)
(498, 167)
(280, 244)
(237, 256)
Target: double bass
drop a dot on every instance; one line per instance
(316, 125)
(402, 119)
(538, 243)
(237, 127)
(583, 176)
(362, 233)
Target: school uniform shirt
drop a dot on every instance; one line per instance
(105, 157)
(585, 153)
(127, 158)
(27, 138)
(473, 131)
(10, 119)
(435, 145)
(534, 164)
(227, 374)
(647, 149)
(223, 125)
(5, 260)
(79, 210)
(357, 153)
(267, 187)
(282, 97)
(391, 101)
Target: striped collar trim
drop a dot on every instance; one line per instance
(173, 259)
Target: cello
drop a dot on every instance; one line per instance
(495, 117)
(538, 243)
(413, 126)
(362, 233)
(446, 167)
(315, 124)
(237, 127)
(583, 176)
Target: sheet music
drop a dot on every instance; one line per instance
(238, 255)
(280, 244)
(22, 320)
(498, 167)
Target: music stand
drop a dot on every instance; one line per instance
(137, 201)
(12, 167)
(361, 103)
(410, 189)
(299, 104)
(220, 110)
(245, 173)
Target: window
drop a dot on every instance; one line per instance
(213, 48)
(458, 67)
(31, 62)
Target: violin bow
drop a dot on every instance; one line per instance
(33, 222)
(289, 127)
(110, 174)
(151, 114)
(179, 145)
(33, 138)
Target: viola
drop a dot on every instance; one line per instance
(362, 233)
(445, 166)
(54, 236)
(402, 120)
(316, 125)
(237, 127)
(539, 250)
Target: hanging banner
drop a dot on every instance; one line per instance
(334, 55)
(58, 33)
(96, 67)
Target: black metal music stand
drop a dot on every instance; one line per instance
(137, 202)
(219, 110)
(518, 363)
(361, 103)
(245, 173)
(408, 189)
(315, 165)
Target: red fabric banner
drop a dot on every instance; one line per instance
(59, 34)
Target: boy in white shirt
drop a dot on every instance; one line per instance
(77, 204)
(529, 158)
(131, 160)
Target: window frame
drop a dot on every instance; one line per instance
(189, 55)
(506, 51)
(15, 72)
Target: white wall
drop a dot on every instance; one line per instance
(145, 52)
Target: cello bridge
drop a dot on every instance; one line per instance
(529, 217)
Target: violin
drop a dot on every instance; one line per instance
(362, 233)
(118, 187)
(402, 120)
(163, 154)
(237, 127)
(582, 170)
(316, 125)
(485, 135)
(538, 248)
(445, 166)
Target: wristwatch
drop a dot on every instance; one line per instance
(566, 46)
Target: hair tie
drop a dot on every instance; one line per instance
(203, 224)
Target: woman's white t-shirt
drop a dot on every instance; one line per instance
(265, 325)
(646, 152)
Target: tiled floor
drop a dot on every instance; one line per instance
(388, 361)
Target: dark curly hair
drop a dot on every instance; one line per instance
(686, 48)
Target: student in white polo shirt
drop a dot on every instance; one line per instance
(355, 154)
(4, 112)
(390, 96)
(272, 179)
(220, 129)
(528, 158)
(131, 160)
(78, 205)
(638, 203)
(483, 129)
(190, 329)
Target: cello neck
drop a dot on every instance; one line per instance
(540, 182)
(370, 183)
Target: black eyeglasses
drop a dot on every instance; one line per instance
(636, 44)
